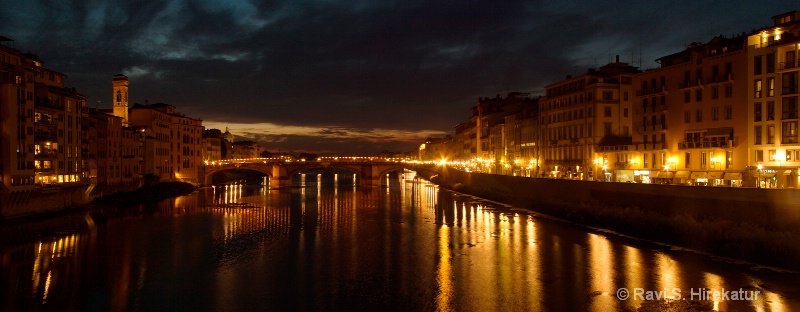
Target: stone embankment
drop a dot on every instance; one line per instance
(756, 225)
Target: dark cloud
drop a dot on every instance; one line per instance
(348, 65)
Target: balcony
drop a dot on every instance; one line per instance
(642, 129)
(622, 165)
(662, 90)
(46, 122)
(45, 137)
(706, 144)
(721, 78)
(787, 65)
(692, 84)
(651, 109)
(46, 155)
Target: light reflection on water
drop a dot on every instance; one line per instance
(409, 246)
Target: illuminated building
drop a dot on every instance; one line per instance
(172, 144)
(579, 114)
(689, 119)
(41, 123)
(772, 66)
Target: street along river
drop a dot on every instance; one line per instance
(326, 245)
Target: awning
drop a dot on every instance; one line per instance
(682, 174)
(715, 175)
(787, 172)
(733, 176)
(719, 132)
(698, 174)
(665, 175)
(767, 174)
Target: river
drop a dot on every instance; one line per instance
(326, 245)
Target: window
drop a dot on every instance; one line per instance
(789, 132)
(771, 86)
(728, 112)
(728, 160)
(789, 83)
(687, 97)
(757, 111)
(625, 96)
(728, 91)
(757, 88)
(625, 112)
(770, 110)
(698, 95)
(771, 63)
(757, 135)
(760, 156)
(699, 116)
(715, 93)
(715, 113)
(789, 108)
(771, 154)
(687, 116)
(703, 160)
(645, 164)
(770, 134)
(793, 155)
(757, 64)
(626, 131)
(607, 111)
(687, 160)
(608, 95)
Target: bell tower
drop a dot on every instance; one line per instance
(120, 101)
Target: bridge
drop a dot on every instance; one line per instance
(368, 170)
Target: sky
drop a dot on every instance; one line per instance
(352, 77)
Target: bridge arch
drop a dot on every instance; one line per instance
(213, 169)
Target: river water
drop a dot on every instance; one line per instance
(331, 246)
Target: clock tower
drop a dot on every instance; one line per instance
(120, 83)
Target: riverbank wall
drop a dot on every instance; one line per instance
(773, 208)
(757, 225)
(43, 200)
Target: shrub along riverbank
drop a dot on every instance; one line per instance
(147, 194)
(749, 241)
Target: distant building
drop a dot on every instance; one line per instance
(173, 142)
(245, 149)
(213, 145)
(578, 113)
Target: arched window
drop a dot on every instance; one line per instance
(119, 96)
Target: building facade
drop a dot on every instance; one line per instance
(772, 68)
(579, 114)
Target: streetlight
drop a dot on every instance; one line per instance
(758, 179)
